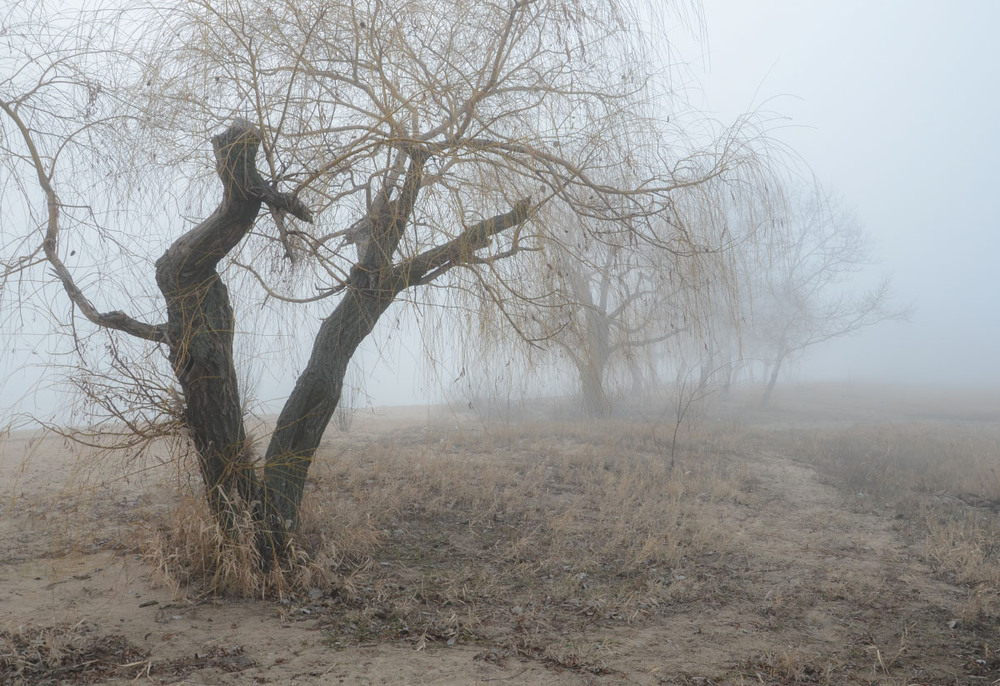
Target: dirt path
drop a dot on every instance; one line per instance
(820, 594)
(806, 590)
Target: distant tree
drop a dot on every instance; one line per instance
(621, 312)
(717, 281)
(615, 307)
(802, 295)
(436, 137)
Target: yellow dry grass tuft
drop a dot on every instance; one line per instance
(192, 548)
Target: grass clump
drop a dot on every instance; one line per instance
(191, 550)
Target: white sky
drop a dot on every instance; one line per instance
(894, 106)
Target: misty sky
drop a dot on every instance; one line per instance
(894, 106)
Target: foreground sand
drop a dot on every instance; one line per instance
(774, 573)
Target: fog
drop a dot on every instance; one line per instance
(523, 341)
(892, 107)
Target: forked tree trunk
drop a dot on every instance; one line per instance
(200, 330)
(200, 327)
(200, 337)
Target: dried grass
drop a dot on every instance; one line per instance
(193, 549)
(432, 533)
(790, 665)
(82, 653)
(942, 481)
(78, 654)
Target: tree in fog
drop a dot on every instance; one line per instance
(362, 150)
(621, 312)
(802, 296)
(615, 306)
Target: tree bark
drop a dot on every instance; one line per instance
(773, 380)
(200, 325)
(309, 408)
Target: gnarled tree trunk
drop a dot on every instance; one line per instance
(200, 331)
(200, 326)
(309, 408)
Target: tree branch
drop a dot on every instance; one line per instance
(117, 319)
(459, 250)
(194, 256)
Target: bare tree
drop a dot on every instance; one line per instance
(614, 309)
(614, 305)
(437, 137)
(802, 296)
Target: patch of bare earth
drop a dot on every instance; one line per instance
(539, 553)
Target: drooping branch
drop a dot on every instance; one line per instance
(117, 319)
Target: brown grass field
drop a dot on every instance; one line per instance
(845, 536)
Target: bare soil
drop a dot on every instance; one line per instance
(783, 575)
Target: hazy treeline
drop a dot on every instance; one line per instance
(764, 284)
